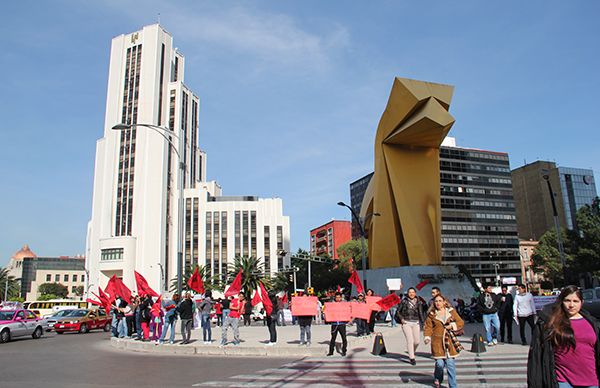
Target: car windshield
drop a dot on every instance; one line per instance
(76, 313)
(61, 313)
(6, 315)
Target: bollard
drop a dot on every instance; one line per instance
(477, 345)
(379, 345)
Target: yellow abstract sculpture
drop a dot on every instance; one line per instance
(405, 189)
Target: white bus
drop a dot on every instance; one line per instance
(47, 307)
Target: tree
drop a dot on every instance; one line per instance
(55, 289)
(210, 283)
(79, 290)
(351, 253)
(252, 273)
(14, 286)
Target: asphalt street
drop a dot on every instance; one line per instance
(88, 360)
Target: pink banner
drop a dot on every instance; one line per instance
(304, 306)
(338, 312)
(372, 301)
(361, 310)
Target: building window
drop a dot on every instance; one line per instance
(245, 233)
(57, 278)
(82, 278)
(238, 245)
(267, 243)
(208, 254)
(48, 278)
(73, 289)
(74, 278)
(279, 247)
(111, 254)
(65, 278)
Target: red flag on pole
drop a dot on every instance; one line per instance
(156, 307)
(389, 301)
(265, 299)
(111, 289)
(142, 285)
(355, 279)
(256, 298)
(236, 286)
(284, 299)
(104, 299)
(94, 302)
(195, 282)
(339, 289)
(422, 284)
(122, 289)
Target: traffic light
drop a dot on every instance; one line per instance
(311, 290)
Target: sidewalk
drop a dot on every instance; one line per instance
(254, 338)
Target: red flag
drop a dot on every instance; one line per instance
(355, 279)
(422, 284)
(195, 282)
(256, 299)
(122, 289)
(142, 285)
(284, 299)
(266, 300)
(111, 289)
(389, 301)
(94, 302)
(236, 286)
(104, 299)
(157, 306)
(339, 289)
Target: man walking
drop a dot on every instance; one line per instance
(233, 321)
(186, 313)
(338, 327)
(524, 311)
(488, 305)
(505, 313)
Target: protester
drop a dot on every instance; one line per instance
(280, 312)
(170, 307)
(133, 319)
(505, 313)
(247, 309)
(565, 348)
(305, 323)
(440, 325)
(524, 311)
(338, 327)
(393, 310)
(124, 309)
(186, 313)
(271, 320)
(361, 323)
(156, 323)
(205, 308)
(488, 306)
(435, 291)
(145, 314)
(115, 313)
(219, 312)
(226, 303)
(412, 316)
(232, 320)
(373, 318)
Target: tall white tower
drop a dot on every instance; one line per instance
(134, 223)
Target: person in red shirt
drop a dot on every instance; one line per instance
(233, 320)
(219, 312)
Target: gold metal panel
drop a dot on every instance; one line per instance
(405, 189)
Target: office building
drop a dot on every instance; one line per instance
(134, 221)
(479, 229)
(357, 193)
(572, 188)
(65, 270)
(220, 228)
(327, 238)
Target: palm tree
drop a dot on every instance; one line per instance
(252, 273)
(14, 285)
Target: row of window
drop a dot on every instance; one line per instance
(65, 277)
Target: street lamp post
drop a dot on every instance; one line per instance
(362, 239)
(182, 167)
(561, 249)
(163, 286)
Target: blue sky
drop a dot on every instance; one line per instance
(291, 93)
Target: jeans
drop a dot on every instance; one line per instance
(169, 324)
(280, 318)
(186, 329)
(491, 321)
(438, 373)
(392, 314)
(334, 330)
(271, 324)
(225, 315)
(234, 324)
(206, 329)
(567, 385)
(114, 325)
(530, 320)
(122, 327)
(361, 327)
(138, 322)
(219, 319)
(304, 333)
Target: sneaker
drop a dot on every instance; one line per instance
(302, 344)
(343, 354)
(329, 354)
(236, 343)
(270, 344)
(172, 342)
(307, 344)
(413, 361)
(495, 341)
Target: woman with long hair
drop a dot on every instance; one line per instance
(440, 326)
(412, 316)
(565, 351)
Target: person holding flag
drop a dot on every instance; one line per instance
(269, 301)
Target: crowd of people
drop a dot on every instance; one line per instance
(564, 352)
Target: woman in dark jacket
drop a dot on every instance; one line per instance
(412, 316)
(145, 316)
(565, 350)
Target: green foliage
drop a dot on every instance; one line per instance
(210, 283)
(581, 247)
(252, 273)
(350, 253)
(56, 289)
(48, 297)
(14, 285)
(324, 276)
(79, 290)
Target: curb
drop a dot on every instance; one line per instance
(211, 350)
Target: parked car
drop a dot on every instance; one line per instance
(20, 323)
(82, 321)
(51, 320)
(591, 301)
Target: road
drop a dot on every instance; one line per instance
(87, 360)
